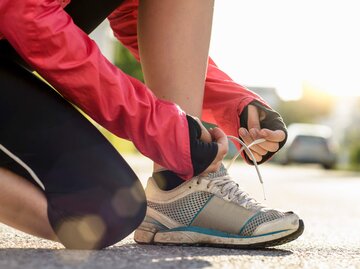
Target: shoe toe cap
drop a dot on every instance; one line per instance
(290, 221)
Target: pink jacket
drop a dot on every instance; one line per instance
(46, 37)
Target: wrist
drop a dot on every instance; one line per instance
(202, 153)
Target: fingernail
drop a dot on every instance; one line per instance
(242, 131)
(263, 133)
(253, 133)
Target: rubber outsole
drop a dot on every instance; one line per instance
(272, 243)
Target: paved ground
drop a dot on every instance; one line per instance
(329, 203)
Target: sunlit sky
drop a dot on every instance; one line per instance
(285, 43)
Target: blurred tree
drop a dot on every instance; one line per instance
(313, 106)
(355, 155)
(127, 63)
(352, 138)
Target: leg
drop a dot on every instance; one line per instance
(93, 198)
(23, 206)
(174, 39)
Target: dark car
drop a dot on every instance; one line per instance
(309, 143)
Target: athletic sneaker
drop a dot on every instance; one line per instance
(213, 211)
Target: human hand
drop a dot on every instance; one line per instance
(218, 136)
(254, 131)
(208, 147)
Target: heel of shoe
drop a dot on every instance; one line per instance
(145, 233)
(142, 236)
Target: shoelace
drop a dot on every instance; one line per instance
(229, 188)
(248, 151)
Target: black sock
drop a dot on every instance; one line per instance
(167, 180)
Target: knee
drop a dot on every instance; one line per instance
(97, 218)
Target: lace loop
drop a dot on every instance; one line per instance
(248, 151)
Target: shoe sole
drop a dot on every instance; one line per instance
(148, 236)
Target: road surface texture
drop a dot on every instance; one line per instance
(328, 201)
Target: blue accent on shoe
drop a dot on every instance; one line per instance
(206, 231)
(160, 226)
(243, 227)
(201, 209)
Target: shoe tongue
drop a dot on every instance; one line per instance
(220, 173)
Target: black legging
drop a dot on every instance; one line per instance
(94, 198)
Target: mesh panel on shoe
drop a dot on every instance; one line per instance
(219, 173)
(184, 209)
(259, 219)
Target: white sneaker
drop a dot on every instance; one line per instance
(213, 211)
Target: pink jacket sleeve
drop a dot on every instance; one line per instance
(46, 37)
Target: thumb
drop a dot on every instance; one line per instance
(220, 138)
(253, 118)
(273, 136)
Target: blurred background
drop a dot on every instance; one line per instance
(302, 57)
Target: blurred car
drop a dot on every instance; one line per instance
(308, 143)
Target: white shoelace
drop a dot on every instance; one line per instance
(229, 188)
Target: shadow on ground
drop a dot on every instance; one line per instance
(125, 256)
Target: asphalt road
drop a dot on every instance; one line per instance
(328, 202)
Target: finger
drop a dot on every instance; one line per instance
(257, 157)
(269, 146)
(221, 139)
(253, 118)
(273, 136)
(254, 133)
(254, 127)
(247, 137)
